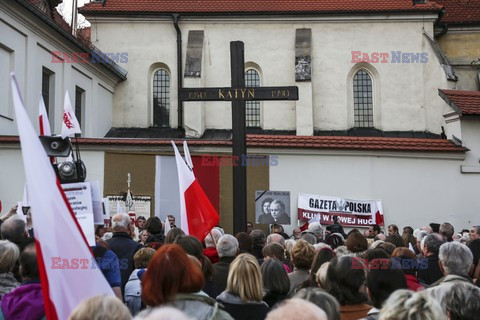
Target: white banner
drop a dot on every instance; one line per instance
(349, 212)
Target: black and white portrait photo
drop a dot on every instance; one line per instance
(272, 207)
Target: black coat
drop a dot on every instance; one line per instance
(125, 248)
(432, 273)
(220, 272)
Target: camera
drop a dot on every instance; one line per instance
(72, 170)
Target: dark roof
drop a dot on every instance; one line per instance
(291, 142)
(258, 6)
(463, 102)
(460, 12)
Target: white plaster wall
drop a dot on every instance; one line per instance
(470, 138)
(27, 45)
(12, 176)
(146, 43)
(408, 99)
(11, 185)
(413, 191)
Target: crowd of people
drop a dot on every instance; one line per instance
(430, 272)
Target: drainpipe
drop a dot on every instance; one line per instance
(176, 18)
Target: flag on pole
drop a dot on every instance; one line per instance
(43, 119)
(64, 258)
(197, 214)
(70, 123)
(377, 213)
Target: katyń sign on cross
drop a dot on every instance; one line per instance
(238, 94)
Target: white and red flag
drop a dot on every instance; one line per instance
(197, 214)
(64, 258)
(43, 119)
(70, 123)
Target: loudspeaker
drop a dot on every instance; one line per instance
(56, 146)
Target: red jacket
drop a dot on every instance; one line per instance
(413, 283)
(212, 254)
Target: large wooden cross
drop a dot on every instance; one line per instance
(238, 94)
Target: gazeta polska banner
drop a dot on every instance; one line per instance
(349, 212)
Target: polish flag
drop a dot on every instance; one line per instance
(197, 214)
(43, 119)
(377, 213)
(64, 257)
(70, 123)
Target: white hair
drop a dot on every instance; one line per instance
(275, 237)
(107, 235)
(321, 245)
(227, 246)
(209, 243)
(456, 258)
(405, 304)
(295, 307)
(120, 220)
(316, 228)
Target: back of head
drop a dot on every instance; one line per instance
(9, 254)
(277, 238)
(377, 253)
(344, 281)
(317, 229)
(121, 222)
(309, 237)
(154, 225)
(292, 308)
(142, 257)
(173, 234)
(244, 242)
(435, 227)
(406, 305)
(407, 259)
(274, 250)
(302, 254)
(170, 272)
(446, 230)
(455, 258)
(396, 240)
(275, 278)
(245, 279)
(321, 299)
(321, 256)
(191, 245)
(227, 246)
(462, 301)
(29, 264)
(335, 240)
(356, 242)
(383, 280)
(387, 246)
(101, 308)
(258, 237)
(211, 242)
(13, 229)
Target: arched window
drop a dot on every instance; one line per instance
(161, 98)
(362, 100)
(252, 112)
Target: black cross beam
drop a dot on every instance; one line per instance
(238, 94)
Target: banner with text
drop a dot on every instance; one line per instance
(349, 212)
